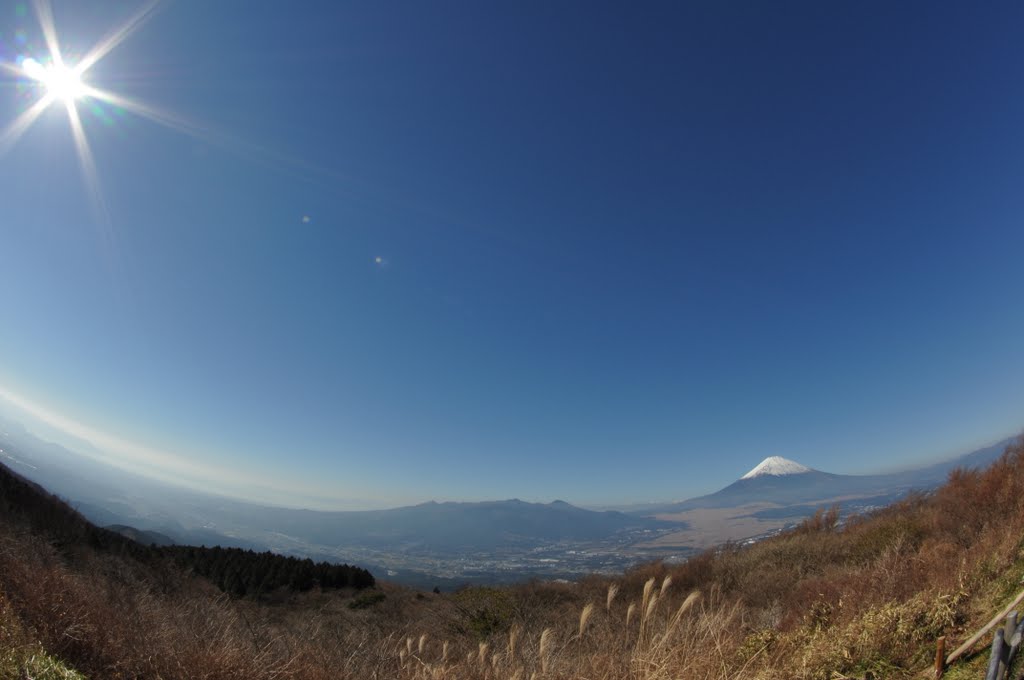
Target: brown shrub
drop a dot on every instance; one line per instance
(869, 595)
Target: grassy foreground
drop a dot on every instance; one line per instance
(823, 601)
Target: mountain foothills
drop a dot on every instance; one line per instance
(822, 600)
(451, 544)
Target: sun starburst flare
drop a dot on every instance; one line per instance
(62, 83)
(60, 80)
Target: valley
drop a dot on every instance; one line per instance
(450, 544)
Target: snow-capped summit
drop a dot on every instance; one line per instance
(776, 466)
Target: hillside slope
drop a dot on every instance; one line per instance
(816, 603)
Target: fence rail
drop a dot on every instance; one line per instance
(1005, 643)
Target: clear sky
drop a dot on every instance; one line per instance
(603, 252)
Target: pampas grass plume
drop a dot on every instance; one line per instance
(648, 587)
(513, 640)
(588, 610)
(613, 590)
(545, 649)
(651, 605)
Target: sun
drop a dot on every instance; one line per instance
(62, 82)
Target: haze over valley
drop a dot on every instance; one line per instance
(451, 544)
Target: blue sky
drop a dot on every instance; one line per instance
(401, 251)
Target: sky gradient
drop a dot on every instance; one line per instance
(409, 251)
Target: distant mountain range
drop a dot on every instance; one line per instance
(451, 543)
(443, 526)
(429, 544)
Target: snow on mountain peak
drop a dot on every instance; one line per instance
(777, 466)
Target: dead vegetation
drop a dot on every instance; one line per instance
(821, 601)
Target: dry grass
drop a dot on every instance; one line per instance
(822, 601)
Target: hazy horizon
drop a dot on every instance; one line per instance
(584, 251)
(42, 425)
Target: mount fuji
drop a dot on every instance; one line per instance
(776, 466)
(780, 482)
(779, 492)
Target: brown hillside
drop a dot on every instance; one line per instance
(822, 601)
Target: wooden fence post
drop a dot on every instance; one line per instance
(997, 653)
(1004, 653)
(1014, 643)
(940, 653)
